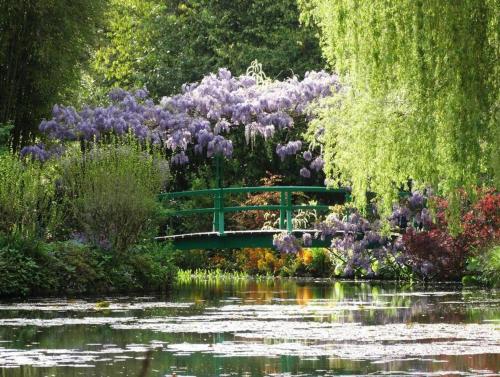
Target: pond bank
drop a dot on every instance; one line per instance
(31, 268)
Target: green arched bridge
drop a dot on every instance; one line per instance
(220, 238)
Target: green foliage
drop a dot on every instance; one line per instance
(153, 265)
(191, 259)
(321, 264)
(483, 268)
(202, 178)
(423, 93)
(111, 193)
(129, 50)
(43, 47)
(5, 129)
(30, 267)
(80, 266)
(27, 206)
(162, 45)
(19, 263)
(109, 196)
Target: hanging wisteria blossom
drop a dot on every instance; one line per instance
(286, 243)
(305, 172)
(201, 117)
(307, 155)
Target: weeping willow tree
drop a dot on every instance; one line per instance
(422, 103)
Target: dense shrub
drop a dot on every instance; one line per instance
(417, 242)
(191, 259)
(308, 262)
(481, 224)
(436, 253)
(314, 262)
(257, 219)
(78, 268)
(5, 129)
(36, 268)
(321, 264)
(20, 266)
(111, 194)
(260, 261)
(484, 267)
(152, 265)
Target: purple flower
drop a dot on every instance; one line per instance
(424, 218)
(224, 74)
(286, 243)
(400, 216)
(305, 172)
(117, 95)
(198, 116)
(289, 149)
(426, 268)
(416, 200)
(179, 159)
(317, 164)
(307, 239)
(35, 152)
(141, 93)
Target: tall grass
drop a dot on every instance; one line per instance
(5, 129)
(27, 198)
(217, 275)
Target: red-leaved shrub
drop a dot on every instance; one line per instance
(436, 254)
(481, 224)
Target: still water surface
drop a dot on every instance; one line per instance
(250, 328)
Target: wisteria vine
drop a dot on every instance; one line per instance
(202, 117)
(361, 244)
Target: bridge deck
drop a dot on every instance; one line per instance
(236, 239)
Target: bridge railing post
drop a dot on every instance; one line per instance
(221, 211)
(282, 209)
(215, 221)
(218, 219)
(289, 212)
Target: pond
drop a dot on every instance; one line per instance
(258, 328)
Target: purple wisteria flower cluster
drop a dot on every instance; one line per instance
(201, 117)
(317, 164)
(360, 244)
(286, 243)
(412, 213)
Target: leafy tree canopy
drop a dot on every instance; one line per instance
(162, 45)
(43, 45)
(423, 103)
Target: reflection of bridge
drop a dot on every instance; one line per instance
(220, 238)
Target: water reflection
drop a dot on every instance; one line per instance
(255, 328)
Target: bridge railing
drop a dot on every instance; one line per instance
(286, 207)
